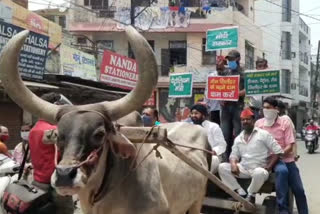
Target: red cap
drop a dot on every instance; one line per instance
(246, 113)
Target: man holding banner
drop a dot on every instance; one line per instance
(230, 110)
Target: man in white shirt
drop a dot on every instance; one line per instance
(250, 157)
(216, 140)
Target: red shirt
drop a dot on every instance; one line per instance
(312, 127)
(42, 155)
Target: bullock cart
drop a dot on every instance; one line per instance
(218, 200)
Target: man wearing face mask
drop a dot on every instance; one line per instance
(4, 137)
(216, 140)
(230, 111)
(20, 149)
(249, 157)
(287, 172)
(150, 117)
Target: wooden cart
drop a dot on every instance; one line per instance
(220, 198)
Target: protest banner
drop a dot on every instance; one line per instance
(222, 38)
(262, 82)
(180, 85)
(33, 54)
(77, 63)
(223, 88)
(119, 71)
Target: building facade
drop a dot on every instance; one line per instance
(179, 45)
(286, 45)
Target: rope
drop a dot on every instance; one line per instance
(237, 207)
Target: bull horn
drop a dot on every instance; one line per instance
(148, 78)
(13, 84)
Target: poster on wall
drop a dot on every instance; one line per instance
(77, 63)
(266, 82)
(222, 38)
(175, 109)
(223, 88)
(34, 52)
(118, 70)
(180, 85)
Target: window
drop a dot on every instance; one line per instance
(286, 45)
(208, 57)
(62, 21)
(142, 3)
(51, 18)
(86, 2)
(81, 40)
(286, 10)
(99, 4)
(178, 52)
(105, 44)
(249, 60)
(130, 51)
(285, 81)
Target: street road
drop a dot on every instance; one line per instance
(309, 165)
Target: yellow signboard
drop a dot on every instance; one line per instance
(34, 22)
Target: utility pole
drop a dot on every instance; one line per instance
(132, 12)
(315, 86)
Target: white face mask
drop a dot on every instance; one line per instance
(270, 115)
(25, 135)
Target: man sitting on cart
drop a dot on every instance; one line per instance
(250, 158)
(198, 115)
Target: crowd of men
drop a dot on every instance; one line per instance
(246, 142)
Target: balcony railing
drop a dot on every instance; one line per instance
(303, 26)
(304, 58)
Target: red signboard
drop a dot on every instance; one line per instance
(151, 101)
(223, 88)
(119, 71)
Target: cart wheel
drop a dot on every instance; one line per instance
(270, 203)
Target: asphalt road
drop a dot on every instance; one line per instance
(309, 165)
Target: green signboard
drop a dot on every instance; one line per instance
(262, 82)
(222, 38)
(180, 85)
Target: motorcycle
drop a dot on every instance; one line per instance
(8, 173)
(311, 141)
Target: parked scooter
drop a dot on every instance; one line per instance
(311, 141)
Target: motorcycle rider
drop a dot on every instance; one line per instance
(313, 127)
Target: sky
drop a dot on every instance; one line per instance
(309, 7)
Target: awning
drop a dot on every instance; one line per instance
(38, 85)
(93, 88)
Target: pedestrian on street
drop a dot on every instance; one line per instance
(4, 137)
(199, 114)
(21, 148)
(287, 172)
(230, 111)
(250, 157)
(43, 159)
